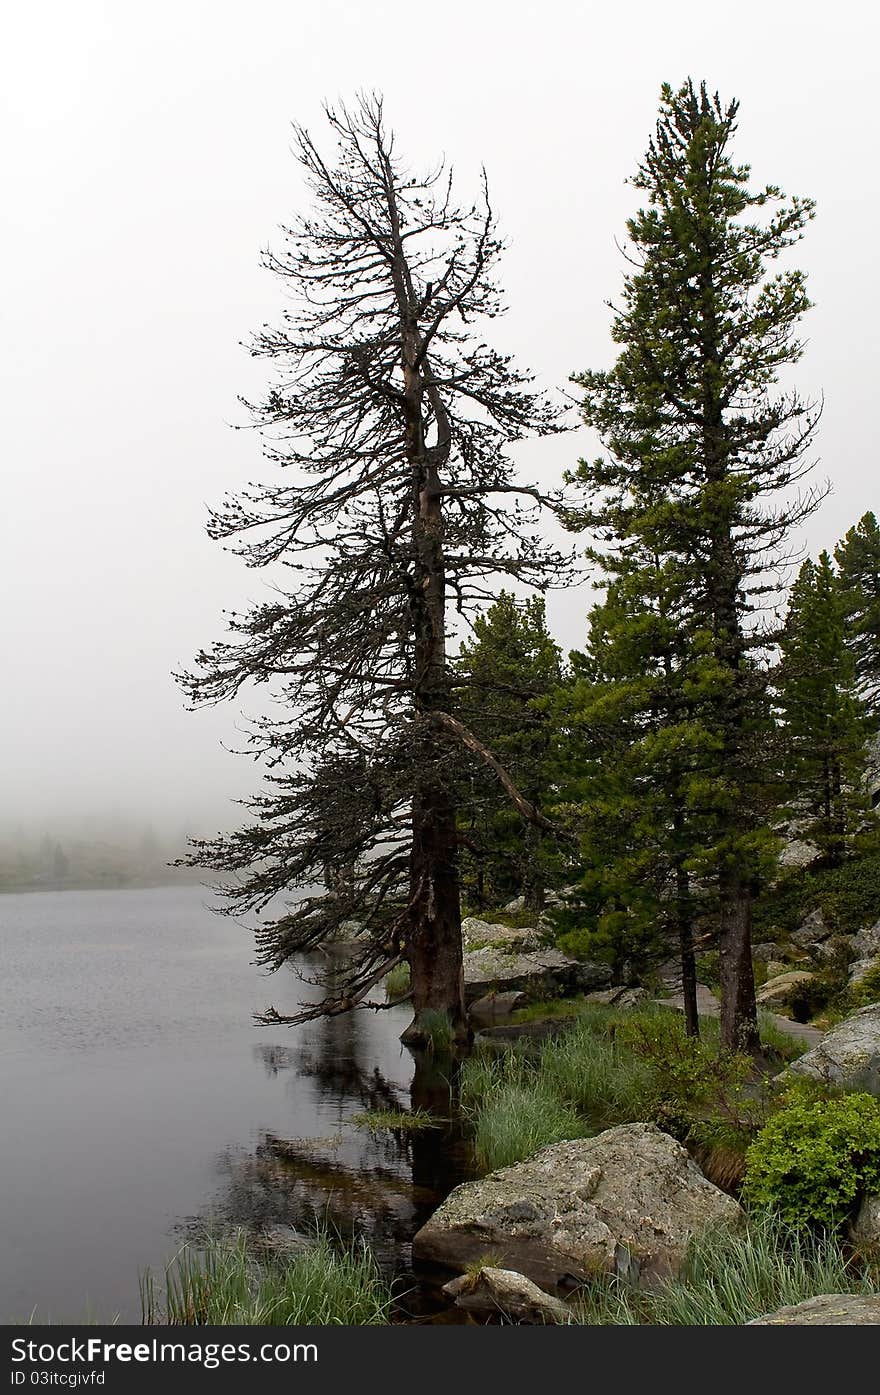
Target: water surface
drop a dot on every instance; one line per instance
(138, 1097)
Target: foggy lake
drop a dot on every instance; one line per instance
(140, 1100)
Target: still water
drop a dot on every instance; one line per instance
(139, 1101)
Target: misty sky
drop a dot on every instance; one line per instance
(147, 162)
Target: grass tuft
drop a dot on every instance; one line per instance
(223, 1283)
(731, 1277)
(375, 1120)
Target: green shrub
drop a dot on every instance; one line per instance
(866, 991)
(812, 1161)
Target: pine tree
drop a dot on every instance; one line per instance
(631, 757)
(700, 460)
(858, 560)
(507, 672)
(824, 724)
(391, 419)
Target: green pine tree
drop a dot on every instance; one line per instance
(506, 670)
(698, 453)
(824, 722)
(631, 759)
(858, 560)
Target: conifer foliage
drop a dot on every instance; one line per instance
(701, 456)
(390, 419)
(823, 721)
(858, 561)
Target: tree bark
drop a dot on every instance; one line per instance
(686, 950)
(434, 948)
(739, 1017)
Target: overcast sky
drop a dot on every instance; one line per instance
(147, 161)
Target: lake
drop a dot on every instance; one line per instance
(140, 1101)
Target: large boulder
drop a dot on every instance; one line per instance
(848, 1055)
(625, 1202)
(537, 973)
(826, 1310)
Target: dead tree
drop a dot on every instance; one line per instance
(391, 419)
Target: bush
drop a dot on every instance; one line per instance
(866, 991)
(814, 1159)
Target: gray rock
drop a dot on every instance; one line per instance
(862, 967)
(826, 1310)
(707, 1003)
(517, 904)
(621, 996)
(625, 1202)
(778, 991)
(865, 1229)
(848, 1055)
(537, 973)
(763, 952)
(509, 1293)
(866, 943)
(812, 931)
(798, 853)
(479, 933)
(494, 1005)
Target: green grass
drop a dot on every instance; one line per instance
(375, 1120)
(774, 1040)
(731, 1277)
(611, 1067)
(516, 1121)
(397, 983)
(223, 1283)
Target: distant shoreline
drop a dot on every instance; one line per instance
(98, 884)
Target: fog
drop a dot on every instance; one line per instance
(148, 161)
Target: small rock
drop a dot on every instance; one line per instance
(812, 930)
(481, 933)
(865, 1229)
(282, 1240)
(775, 967)
(507, 1292)
(778, 991)
(866, 943)
(826, 1310)
(762, 953)
(862, 967)
(621, 996)
(494, 1005)
(517, 904)
(798, 853)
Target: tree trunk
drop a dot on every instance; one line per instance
(434, 947)
(739, 1018)
(686, 946)
(533, 889)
